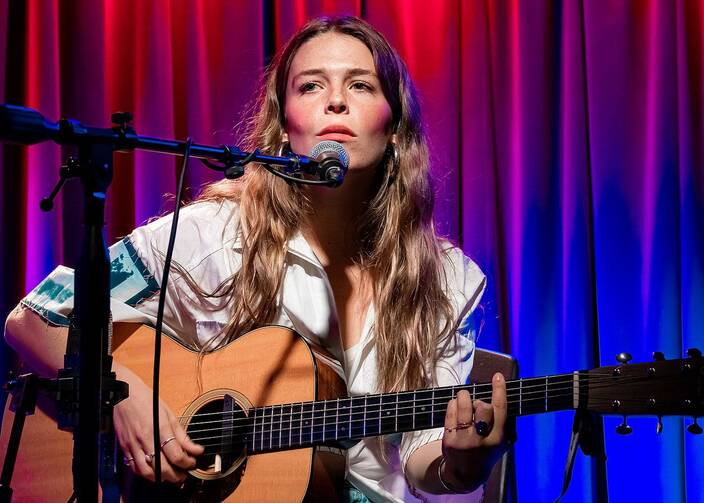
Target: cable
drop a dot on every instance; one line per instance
(165, 277)
(236, 170)
(293, 179)
(160, 314)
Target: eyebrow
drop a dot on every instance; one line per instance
(352, 72)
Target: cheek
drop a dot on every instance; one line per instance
(378, 118)
(298, 118)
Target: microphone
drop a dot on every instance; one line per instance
(333, 161)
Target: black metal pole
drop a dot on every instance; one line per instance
(92, 307)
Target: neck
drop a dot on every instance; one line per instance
(332, 227)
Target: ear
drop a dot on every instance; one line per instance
(284, 137)
(394, 139)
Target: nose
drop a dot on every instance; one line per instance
(337, 104)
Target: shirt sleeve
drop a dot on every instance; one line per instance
(466, 284)
(136, 266)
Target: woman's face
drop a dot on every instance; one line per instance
(333, 93)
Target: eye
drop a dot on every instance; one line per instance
(361, 85)
(307, 87)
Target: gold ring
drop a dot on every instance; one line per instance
(167, 441)
(149, 458)
(460, 426)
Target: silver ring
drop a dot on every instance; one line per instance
(127, 460)
(149, 458)
(167, 441)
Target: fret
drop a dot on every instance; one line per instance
(388, 413)
(423, 409)
(330, 420)
(318, 422)
(358, 416)
(254, 428)
(285, 430)
(432, 407)
(405, 413)
(560, 394)
(413, 413)
(295, 424)
(372, 420)
(546, 393)
(344, 406)
(441, 398)
(307, 423)
(264, 428)
(261, 429)
(520, 397)
(277, 424)
(271, 427)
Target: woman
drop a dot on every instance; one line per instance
(358, 269)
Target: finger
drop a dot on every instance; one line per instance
(185, 441)
(483, 412)
(451, 416)
(169, 473)
(174, 451)
(465, 410)
(140, 465)
(499, 402)
(145, 466)
(483, 418)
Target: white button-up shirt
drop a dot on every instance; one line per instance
(208, 248)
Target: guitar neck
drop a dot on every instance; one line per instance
(294, 425)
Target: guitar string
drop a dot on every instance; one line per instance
(309, 437)
(514, 385)
(346, 418)
(513, 391)
(555, 392)
(292, 416)
(315, 431)
(358, 409)
(568, 377)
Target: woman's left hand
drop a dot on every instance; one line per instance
(474, 437)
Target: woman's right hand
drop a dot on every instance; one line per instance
(134, 429)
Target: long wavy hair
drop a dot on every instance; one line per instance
(400, 254)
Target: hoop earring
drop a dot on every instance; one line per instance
(395, 156)
(285, 146)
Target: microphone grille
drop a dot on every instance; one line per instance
(331, 146)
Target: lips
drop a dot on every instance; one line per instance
(336, 133)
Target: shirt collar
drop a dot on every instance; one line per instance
(297, 245)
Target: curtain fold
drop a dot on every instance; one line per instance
(567, 146)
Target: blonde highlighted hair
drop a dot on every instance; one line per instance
(400, 253)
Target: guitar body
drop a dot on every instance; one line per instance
(268, 366)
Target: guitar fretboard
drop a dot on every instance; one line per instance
(294, 425)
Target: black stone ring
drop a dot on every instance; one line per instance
(482, 428)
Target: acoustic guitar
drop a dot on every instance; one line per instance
(273, 414)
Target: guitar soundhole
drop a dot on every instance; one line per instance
(222, 433)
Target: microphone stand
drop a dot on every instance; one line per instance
(87, 372)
